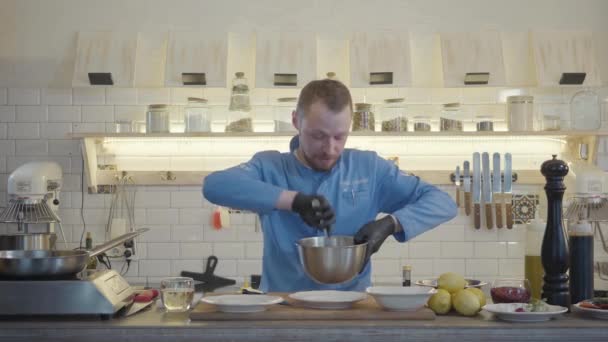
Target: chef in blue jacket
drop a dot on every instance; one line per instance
(320, 185)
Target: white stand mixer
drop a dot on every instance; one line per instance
(33, 199)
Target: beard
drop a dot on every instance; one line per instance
(317, 163)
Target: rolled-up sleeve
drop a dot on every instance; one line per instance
(243, 186)
(417, 205)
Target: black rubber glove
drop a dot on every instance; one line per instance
(374, 233)
(315, 210)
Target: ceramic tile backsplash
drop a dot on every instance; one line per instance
(31, 114)
(64, 113)
(89, 96)
(56, 96)
(34, 124)
(121, 96)
(7, 113)
(23, 96)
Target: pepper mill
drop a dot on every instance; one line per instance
(554, 251)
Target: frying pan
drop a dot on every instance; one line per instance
(53, 264)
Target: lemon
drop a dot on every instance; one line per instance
(440, 302)
(466, 303)
(452, 282)
(480, 295)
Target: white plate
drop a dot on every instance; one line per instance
(595, 313)
(506, 312)
(242, 303)
(327, 299)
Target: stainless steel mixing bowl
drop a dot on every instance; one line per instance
(331, 260)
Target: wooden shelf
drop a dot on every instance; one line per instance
(187, 158)
(560, 134)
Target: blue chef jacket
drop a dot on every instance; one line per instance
(359, 186)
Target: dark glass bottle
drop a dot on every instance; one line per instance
(581, 261)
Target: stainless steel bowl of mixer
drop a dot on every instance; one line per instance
(331, 260)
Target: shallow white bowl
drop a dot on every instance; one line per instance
(398, 298)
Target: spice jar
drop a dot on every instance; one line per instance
(282, 114)
(393, 115)
(363, 118)
(239, 118)
(485, 124)
(422, 123)
(450, 119)
(196, 115)
(520, 110)
(158, 118)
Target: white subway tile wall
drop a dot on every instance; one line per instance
(34, 124)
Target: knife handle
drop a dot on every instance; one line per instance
(458, 196)
(489, 222)
(467, 203)
(498, 206)
(509, 214)
(477, 214)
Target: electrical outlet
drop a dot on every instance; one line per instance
(116, 252)
(120, 252)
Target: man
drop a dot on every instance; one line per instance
(320, 185)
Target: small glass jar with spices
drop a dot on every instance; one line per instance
(363, 118)
(451, 118)
(394, 117)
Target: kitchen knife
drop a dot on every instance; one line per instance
(466, 187)
(496, 188)
(487, 188)
(508, 191)
(477, 190)
(457, 182)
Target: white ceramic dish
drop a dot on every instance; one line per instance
(506, 312)
(242, 303)
(400, 298)
(433, 283)
(327, 299)
(595, 313)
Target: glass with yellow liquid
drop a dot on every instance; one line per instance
(177, 293)
(534, 273)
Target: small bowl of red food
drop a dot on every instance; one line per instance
(510, 290)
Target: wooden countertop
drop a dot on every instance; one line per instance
(154, 325)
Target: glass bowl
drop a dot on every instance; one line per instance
(510, 290)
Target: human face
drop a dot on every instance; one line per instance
(323, 134)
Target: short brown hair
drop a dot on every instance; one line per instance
(334, 94)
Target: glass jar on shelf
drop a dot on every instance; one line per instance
(124, 126)
(520, 113)
(363, 118)
(451, 117)
(239, 110)
(158, 118)
(197, 116)
(484, 124)
(394, 118)
(585, 111)
(282, 114)
(422, 123)
(551, 122)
